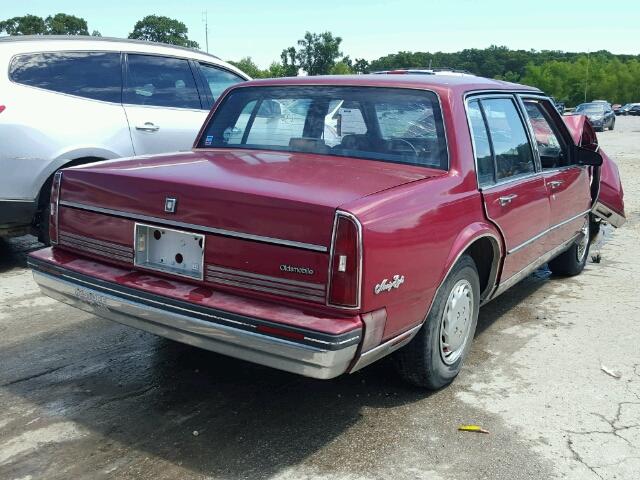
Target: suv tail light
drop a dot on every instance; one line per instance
(345, 267)
(54, 201)
(2, 108)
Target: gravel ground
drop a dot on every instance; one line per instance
(82, 397)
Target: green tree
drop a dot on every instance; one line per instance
(341, 68)
(248, 66)
(290, 64)
(360, 65)
(318, 52)
(63, 24)
(25, 25)
(276, 70)
(155, 28)
(96, 33)
(565, 75)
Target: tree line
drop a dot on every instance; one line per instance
(154, 28)
(570, 77)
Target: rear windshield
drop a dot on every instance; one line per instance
(389, 124)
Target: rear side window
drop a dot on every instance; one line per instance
(511, 148)
(95, 75)
(218, 80)
(482, 144)
(389, 124)
(161, 82)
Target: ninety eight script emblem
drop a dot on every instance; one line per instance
(95, 300)
(386, 285)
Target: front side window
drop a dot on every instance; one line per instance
(511, 148)
(390, 124)
(218, 80)
(551, 147)
(161, 82)
(94, 75)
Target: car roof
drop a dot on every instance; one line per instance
(43, 43)
(440, 83)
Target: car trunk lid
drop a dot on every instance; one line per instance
(267, 217)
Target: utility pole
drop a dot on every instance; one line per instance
(205, 19)
(586, 81)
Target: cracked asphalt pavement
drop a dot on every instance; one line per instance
(81, 397)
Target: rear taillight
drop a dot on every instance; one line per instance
(2, 108)
(54, 204)
(346, 262)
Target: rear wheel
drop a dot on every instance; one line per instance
(573, 261)
(434, 357)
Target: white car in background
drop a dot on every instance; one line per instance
(71, 100)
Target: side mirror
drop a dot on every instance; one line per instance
(585, 156)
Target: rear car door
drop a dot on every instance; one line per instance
(162, 103)
(568, 184)
(513, 189)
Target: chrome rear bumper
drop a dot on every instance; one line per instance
(318, 356)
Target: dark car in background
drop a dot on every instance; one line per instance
(630, 109)
(599, 114)
(634, 110)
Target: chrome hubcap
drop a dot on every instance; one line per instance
(583, 243)
(456, 322)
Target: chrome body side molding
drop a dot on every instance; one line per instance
(544, 232)
(529, 269)
(200, 228)
(384, 349)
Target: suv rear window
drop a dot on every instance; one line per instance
(390, 124)
(95, 75)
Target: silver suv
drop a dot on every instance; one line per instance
(73, 100)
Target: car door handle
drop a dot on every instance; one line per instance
(507, 199)
(148, 127)
(555, 183)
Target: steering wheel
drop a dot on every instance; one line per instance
(402, 140)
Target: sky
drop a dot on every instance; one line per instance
(369, 28)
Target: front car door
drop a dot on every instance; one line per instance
(162, 103)
(568, 184)
(513, 189)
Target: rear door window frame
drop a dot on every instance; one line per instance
(194, 73)
(514, 96)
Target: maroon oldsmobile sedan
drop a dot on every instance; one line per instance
(322, 223)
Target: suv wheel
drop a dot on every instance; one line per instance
(572, 261)
(434, 357)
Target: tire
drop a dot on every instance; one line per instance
(424, 362)
(613, 124)
(572, 261)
